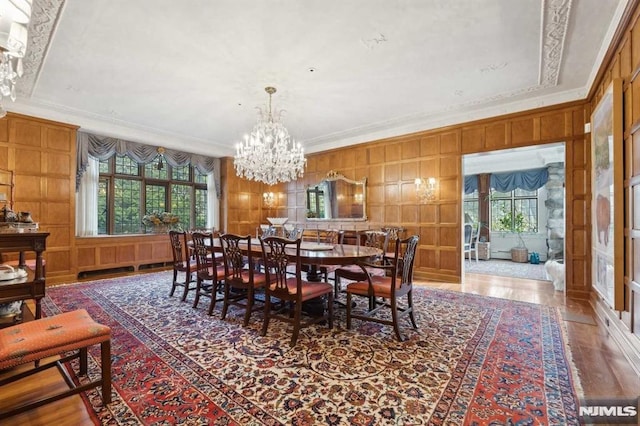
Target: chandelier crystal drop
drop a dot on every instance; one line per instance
(269, 154)
(14, 19)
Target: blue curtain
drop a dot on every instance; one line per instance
(529, 180)
(470, 184)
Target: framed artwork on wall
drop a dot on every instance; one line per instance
(607, 207)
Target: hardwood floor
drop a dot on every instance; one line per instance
(604, 372)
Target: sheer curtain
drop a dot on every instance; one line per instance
(87, 201)
(213, 203)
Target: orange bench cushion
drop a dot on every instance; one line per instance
(34, 340)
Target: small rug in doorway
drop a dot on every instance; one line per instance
(474, 360)
(507, 268)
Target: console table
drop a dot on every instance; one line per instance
(33, 285)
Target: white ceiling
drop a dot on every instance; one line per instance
(189, 74)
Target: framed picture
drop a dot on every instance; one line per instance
(607, 208)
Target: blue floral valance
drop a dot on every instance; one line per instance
(102, 148)
(529, 180)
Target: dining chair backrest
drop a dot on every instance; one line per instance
(468, 234)
(179, 249)
(202, 243)
(277, 260)
(332, 236)
(236, 264)
(405, 254)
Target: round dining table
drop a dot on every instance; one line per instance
(319, 254)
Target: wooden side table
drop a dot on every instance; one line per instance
(33, 285)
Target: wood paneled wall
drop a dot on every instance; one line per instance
(42, 155)
(391, 166)
(624, 63)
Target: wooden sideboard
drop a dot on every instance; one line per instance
(33, 285)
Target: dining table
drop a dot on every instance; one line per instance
(318, 254)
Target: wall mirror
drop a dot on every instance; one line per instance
(337, 198)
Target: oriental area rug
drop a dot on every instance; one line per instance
(473, 361)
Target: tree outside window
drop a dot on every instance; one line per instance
(515, 211)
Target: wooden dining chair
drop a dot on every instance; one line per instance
(291, 291)
(184, 265)
(386, 291)
(241, 279)
(370, 238)
(208, 268)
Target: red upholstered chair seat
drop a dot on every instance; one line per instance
(33, 340)
(381, 287)
(70, 332)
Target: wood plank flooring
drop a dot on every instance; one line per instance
(604, 372)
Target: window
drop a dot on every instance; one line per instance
(127, 191)
(471, 207)
(515, 211)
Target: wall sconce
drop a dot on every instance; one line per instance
(269, 199)
(426, 189)
(358, 198)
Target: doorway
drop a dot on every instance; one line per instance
(527, 219)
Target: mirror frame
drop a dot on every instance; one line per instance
(334, 176)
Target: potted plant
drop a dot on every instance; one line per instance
(509, 222)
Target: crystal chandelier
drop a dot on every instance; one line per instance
(269, 154)
(14, 18)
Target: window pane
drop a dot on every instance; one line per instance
(156, 196)
(471, 209)
(496, 194)
(527, 209)
(126, 166)
(127, 203)
(103, 210)
(501, 216)
(522, 193)
(471, 196)
(180, 173)
(104, 166)
(199, 177)
(181, 204)
(151, 170)
(201, 208)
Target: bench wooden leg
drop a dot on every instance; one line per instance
(105, 349)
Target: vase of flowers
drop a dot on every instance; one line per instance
(161, 223)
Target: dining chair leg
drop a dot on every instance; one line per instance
(187, 283)
(348, 311)
(410, 307)
(249, 307)
(214, 299)
(394, 318)
(173, 285)
(330, 309)
(267, 311)
(198, 287)
(225, 302)
(296, 324)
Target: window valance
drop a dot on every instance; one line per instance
(103, 147)
(529, 180)
(470, 184)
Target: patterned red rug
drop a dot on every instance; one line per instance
(474, 361)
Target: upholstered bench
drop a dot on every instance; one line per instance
(68, 335)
